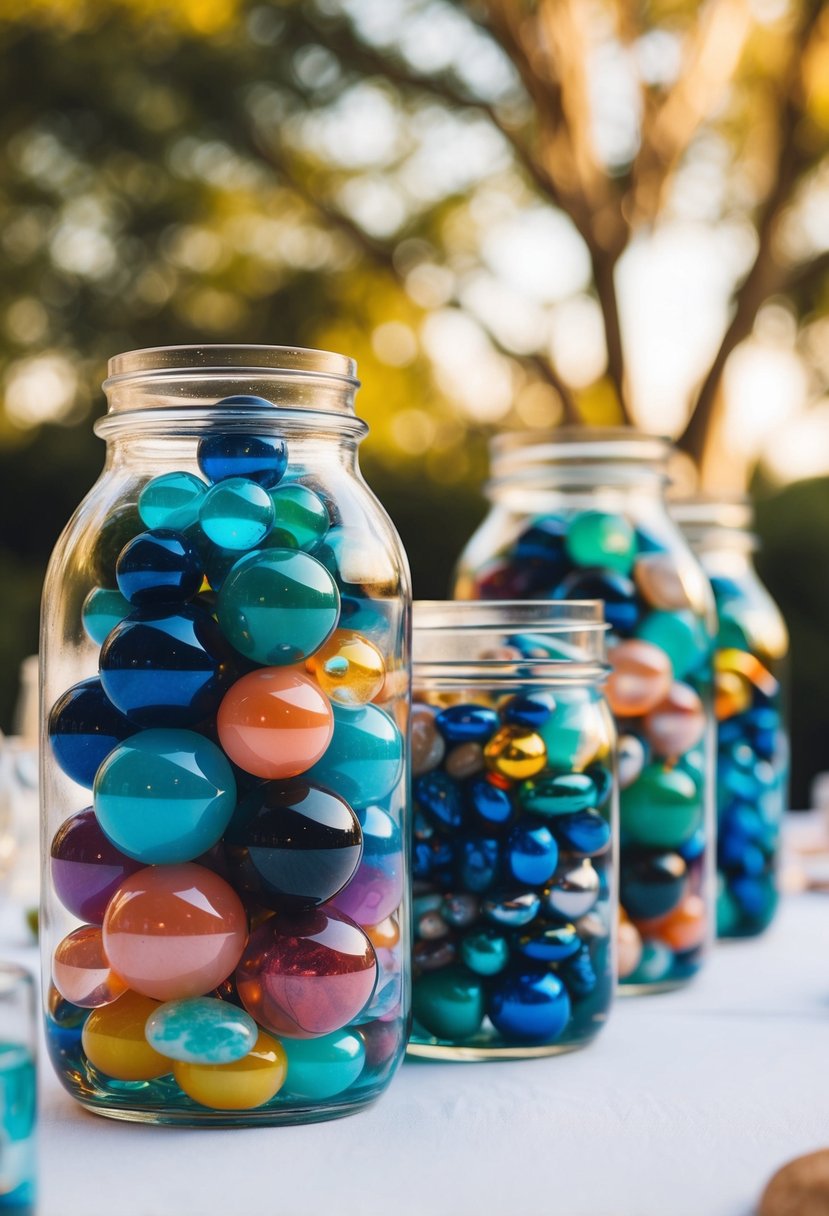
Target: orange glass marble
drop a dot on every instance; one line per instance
(732, 695)
(384, 936)
(242, 1085)
(348, 668)
(677, 723)
(641, 676)
(80, 970)
(683, 929)
(745, 664)
(174, 931)
(113, 1039)
(275, 723)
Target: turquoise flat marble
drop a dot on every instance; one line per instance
(201, 1030)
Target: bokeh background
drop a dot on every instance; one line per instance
(511, 212)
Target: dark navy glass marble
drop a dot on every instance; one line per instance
(621, 607)
(652, 884)
(84, 727)
(440, 798)
(159, 567)
(579, 974)
(531, 711)
(479, 863)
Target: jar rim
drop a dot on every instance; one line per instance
(728, 511)
(494, 616)
(207, 358)
(577, 443)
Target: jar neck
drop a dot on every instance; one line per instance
(715, 526)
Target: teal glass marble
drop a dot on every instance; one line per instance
(364, 759)
(17, 1129)
(449, 1003)
(662, 809)
(322, 1067)
(201, 1030)
(655, 965)
(558, 794)
(102, 610)
(485, 952)
(172, 500)
(236, 514)
(682, 637)
(599, 538)
(164, 796)
(301, 518)
(574, 731)
(278, 606)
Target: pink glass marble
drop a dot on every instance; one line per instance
(80, 970)
(275, 723)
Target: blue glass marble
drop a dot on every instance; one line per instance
(552, 944)
(602, 779)
(236, 514)
(167, 669)
(84, 727)
(479, 863)
(756, 896)
(652, 884)
(171, 500)
(158, 567)
(381, 833)
(490, 805)
(531, 710)
(694, 848)
(201, 1030)
(579, 974)
(585, 833)
(621, 606)
(467, 723)
(164, 796)
(364, 760)
(486, 952)
(532, 853)
(439, 797)
(323, 1067)
(512, 911)
(535, 1006)
(101, 612)
(260, 458)
(301, 519)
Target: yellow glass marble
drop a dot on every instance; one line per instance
(348, 668)
(515, 753)
(113, 1039)
(243, 1085)
(742, 663)
(732, 694)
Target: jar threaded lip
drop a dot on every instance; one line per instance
(211, 357)
(570, 454)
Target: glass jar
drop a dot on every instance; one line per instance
(749, 702)
(580, 514)
(515, 821)
(225, 684)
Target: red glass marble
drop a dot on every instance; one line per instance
(275, 723)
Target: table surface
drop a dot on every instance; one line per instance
(683, 1106)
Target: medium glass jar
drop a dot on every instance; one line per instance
(580, 514)
(749, 702)
(515, 822)
(225, 684)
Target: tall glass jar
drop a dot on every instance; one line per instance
(225, 684)
(752, 733)
(515, 829)
(580, 514)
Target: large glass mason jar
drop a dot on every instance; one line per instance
(580, 514)
(749, 702)
(225, 682)
(515, 829)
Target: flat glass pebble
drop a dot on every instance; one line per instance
(348, 668)
(364, 760)
(84, 727)
(585, 833)
(171, 500)
(323, 1067)
(159, 567)
(439, 797)
(428, 747)
(174, 931)
(167, 668)
(551, 944)
(449, 1003)
(236, 514)
(599, 538)
(201, 1030)
(558, 794)
(573, 892)
(80, 970)
(515, 753)
(275, 723)
(307, 973)
(113, 1040)
(532, 853)
(677, 723)
(164, 796)
(467, 723)
(531, 710)
(680, 635)
(479, 863)
(119, 527)
(491, 806)
(259, 458)
(486, 952)
(242, 1085)
(301, 518)
(278, 606)
(512, 911)
(86, 868)
(291, 842)
(102, 610)
(532, 1006)
(640, 678)
(662, 809)
(652, 884)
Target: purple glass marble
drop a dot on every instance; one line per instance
(374, 892)
(86, 867)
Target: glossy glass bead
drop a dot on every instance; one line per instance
(102, 610)
(680, 635)
(534, 1006)
(531, 710)
(640, 678)
(174, 931)
(532, 853)
(275, 723)
(348, 668)
(242, 1085)
(159, 567)
(291, 842)
(652, 884)
(201, 1030)
(80, 970)
(84, 726)
(628, 948)
(278, 606)
(171, 500)
(236, 514)
(558, 794)
(573, 892)
(479, 863)
(301, 518)
(599, 538)
(164, 796)
(260, 458)
(585, 833)
(86, 868)
(491, 806)
(364, 759)
(662, 809)
(515, 753)
(449, 1003)
(114, 1042)
(307, 973)
(486, 952)
(512, 911)
(550, 944)
(324, 1067)
(167, 668)
(467, 723)
(439, 797)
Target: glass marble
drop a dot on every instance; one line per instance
(631, 757)
(491, 806)
(164, 668)
(364, 760)
(159, 567)
(532, 853)
(574, 890)
(680, 635)
(479, 863)
(291, 842)
(276, 723)
(585, 832)
(550, 944)
(653, 884)
(640, 678)
(617, 591)
(102, 610)
(84, 727)
(323, 1067)
(236, 514)
(533, 1006)
(348, 668)
(467, 723)
(428, 746)
(174, 931)
(531, 710)
(512, 911)
(465, 760)
(677, 724)
(81, 972)
(201, 1030)
(599, 538)
(449, 1003)
(307, 973)
(86, 868)
(659, 580)
(114, 532)
(656, 963)
(662, 809)
(485, 951)
(171, 500)
(440, 800)
(164, 796)
(301, 518)
(516, 754)
(243, 1085)
(558, 794)
(574, 734)
(259, 458)
(683, 928)
(113, 1040)
(375, 890)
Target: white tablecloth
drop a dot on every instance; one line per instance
(683, 1107)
